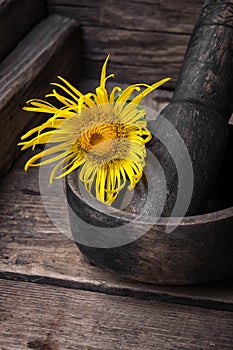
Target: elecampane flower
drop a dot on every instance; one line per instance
(103, 134)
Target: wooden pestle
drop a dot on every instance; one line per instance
(202, 105)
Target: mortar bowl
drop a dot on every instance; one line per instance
(198, 250)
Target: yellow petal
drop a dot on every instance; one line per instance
(128, 92)
(66, 101)
(59, 148)
(71, 168)
(139, 97)
(112, 95)
(103, 72)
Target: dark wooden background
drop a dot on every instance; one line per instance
(146, 39)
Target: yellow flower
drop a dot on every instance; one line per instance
(103, 134)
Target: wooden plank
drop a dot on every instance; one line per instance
(16, 19)
(32, 248)
(147, 40)
(149, 57)
(148, 15)
(46, 52)
(45, 317)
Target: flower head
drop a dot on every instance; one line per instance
(103, 134)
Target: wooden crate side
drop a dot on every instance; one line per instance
(47, 51)
(16, 19)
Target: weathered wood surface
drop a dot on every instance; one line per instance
(46, 317)
(147, 40)
(135, 56)
(148, 15)
(31, 248)
(16, 19)
(46, 52)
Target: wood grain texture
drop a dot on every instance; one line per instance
(147, 40)
(16, 19)
(44, 317)
(150, 56)
(47, 51)
(32, 248)
(147, 15)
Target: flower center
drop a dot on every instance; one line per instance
(95, 139)
(98, 140)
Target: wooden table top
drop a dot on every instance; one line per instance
(52, 298)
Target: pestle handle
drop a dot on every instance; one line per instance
(206, 76)
(201, 106)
